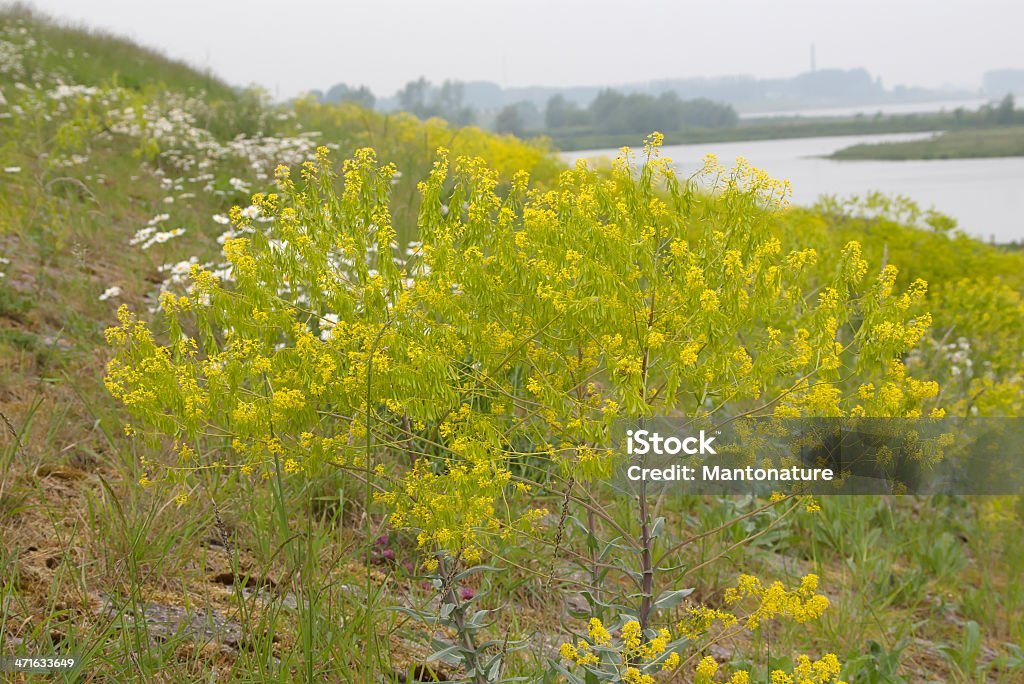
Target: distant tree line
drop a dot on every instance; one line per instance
(1005, 113)
(615, 112)
(1001, 113)
(421, 98)
(343, 93)
(705, 103)
(610, 112)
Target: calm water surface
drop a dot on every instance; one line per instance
(985, 196)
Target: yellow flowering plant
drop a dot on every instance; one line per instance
(491, 357)
(638, 657)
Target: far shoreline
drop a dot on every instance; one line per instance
(987, 143)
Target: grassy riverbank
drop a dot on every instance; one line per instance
(112, 188)
(987, 120)
(975, 144)
(773, 129)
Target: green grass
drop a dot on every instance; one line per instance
(971, 144)
(91, 57)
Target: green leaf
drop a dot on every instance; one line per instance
(453, 655)
(670, 599)
(657, 527)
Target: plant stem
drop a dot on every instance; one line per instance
(647, 568)
(459, 618)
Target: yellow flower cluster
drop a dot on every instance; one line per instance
(699, 620)
(635, 653)
(578, 655)
(801, 604)
(823, 671)
(706, 668)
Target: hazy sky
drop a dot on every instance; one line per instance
(290, 46)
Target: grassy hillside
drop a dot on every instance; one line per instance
(119, 170)
(48, 52)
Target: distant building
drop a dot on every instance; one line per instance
(1002, 81)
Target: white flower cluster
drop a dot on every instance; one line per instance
(189, 160)
(151, 235)
(959, 356)
(15, 46)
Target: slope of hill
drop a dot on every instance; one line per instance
(119, 169)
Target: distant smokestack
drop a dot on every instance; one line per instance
(813, 64)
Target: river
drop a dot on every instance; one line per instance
(985, 196)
